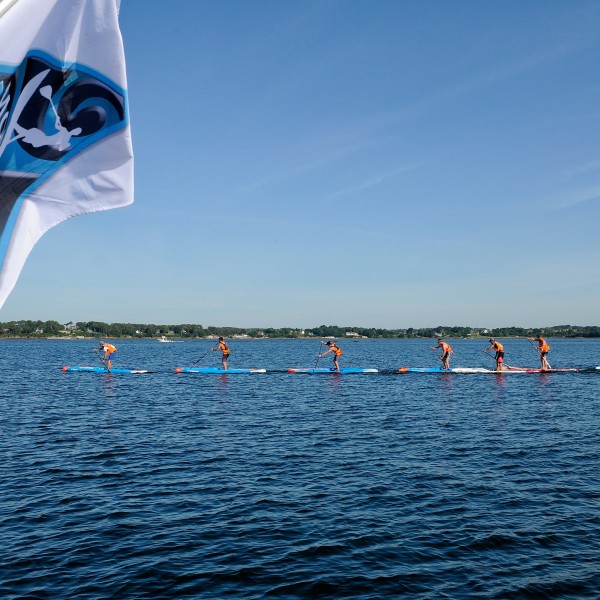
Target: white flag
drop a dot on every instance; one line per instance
(65, 142)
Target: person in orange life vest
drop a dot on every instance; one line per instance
(336, 353)
(499, 349)
(543, 348)
(109, 352)
(446, 352)
(224, 348)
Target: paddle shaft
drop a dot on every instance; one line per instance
(533, 345)
(318, 356)
(204, 355)
(100, 356)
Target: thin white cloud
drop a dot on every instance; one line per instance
(352, 141)
(482, 80)
(328, 158)
(371, 182)
(579, 197)
(583, 169)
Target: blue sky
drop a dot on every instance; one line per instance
(386, 164)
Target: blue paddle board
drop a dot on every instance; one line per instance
(74, 369)
(320, 371)
(215, 371)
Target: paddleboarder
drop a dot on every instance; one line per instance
(499, 350)
(225, 352)
(337, 352)
(446, 352)
(543, 348)
(109, 353)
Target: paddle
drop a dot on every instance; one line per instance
(533, 345)
(493, 358)
(100, 356)
(205, 354)
(318, 356)
(439, 356)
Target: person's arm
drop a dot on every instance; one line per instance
(326, 352)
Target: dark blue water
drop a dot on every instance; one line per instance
(298, 486)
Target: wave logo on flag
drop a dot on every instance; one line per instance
(48, 115)
(65, 139)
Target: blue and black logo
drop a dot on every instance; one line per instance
(49, 113)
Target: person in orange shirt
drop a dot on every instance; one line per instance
(109, 352)
(224, 348)
(499, 349)
(446, 352)
(337, 352)
(543, 348)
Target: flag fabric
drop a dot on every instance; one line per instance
(65, 142)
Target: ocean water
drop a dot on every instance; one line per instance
(298, 486)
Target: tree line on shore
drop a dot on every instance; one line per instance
(94, 329)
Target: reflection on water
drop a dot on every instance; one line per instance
(109, 388)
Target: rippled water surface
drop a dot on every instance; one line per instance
(298, 486)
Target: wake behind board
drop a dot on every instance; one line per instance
(73, 369)
(214, 371)
(320, 371)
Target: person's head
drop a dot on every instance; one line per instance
(220, 339)
(330, 343)
(101, 344)
(440, 340)
(492, 340)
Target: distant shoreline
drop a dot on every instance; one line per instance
(94, 330)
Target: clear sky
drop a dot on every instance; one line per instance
(387, 164)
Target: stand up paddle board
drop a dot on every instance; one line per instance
(320, 371)
(214, 371)
(506, 370)
(73, 369)
(440, 370)
(527, 370)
